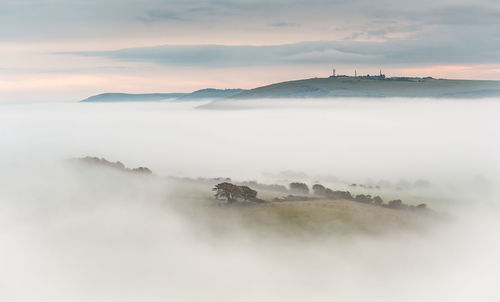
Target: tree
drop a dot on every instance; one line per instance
(319, 190)
(395, 204)
(422, 206)
(299, 188)
(142, 170)
(338, 195)
(228, 191)
(363, 198)
(378, 200)
(248, 193)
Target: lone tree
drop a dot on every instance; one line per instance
(299, 188)
(319, 190)
(248, 193)
(228, 191)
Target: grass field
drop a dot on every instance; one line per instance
(313, 219)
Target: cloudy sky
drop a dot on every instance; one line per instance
(70, 49)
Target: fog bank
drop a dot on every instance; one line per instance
(88, 234)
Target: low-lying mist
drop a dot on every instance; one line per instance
(81, 233)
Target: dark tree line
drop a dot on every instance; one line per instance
(232, 193)
(115, 165)
(320, 190)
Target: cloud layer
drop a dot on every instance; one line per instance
(457, 39)
(444, 51)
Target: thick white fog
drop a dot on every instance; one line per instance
(78, 234)
(351, 139)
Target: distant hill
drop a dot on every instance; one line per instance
(208, 93)
(126, 97)
(375, 87)
(340, 86)
(103, 163)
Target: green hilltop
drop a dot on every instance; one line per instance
(331, 87)
(375, 86)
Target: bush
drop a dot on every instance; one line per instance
(142, 170)
(395, 204)
(319, 190)
(248, 194)
(378, 200)
(364, 198)
(338, 195)
(299, 188)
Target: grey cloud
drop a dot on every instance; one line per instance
(196, 11)
(232, 56)
(458, 31)
(284, 24)
(433, 49)
(152, 16)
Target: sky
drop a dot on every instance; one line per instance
(71, 49)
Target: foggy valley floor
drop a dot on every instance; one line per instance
(97, 234)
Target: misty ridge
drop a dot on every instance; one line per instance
(150, 227)
(233, 194)
(335, 86)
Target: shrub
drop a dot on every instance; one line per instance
(319, 190)
(363, 198)
(248, 193)
(378, 200)
(395, 204)
(338, 195)
(422, 206)
(299, 188)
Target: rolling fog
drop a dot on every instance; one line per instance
(82, 234)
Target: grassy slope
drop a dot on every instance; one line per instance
(297, 219)
(313, 219)
(359, 87)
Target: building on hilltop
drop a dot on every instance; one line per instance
(380, 76)
(334, 75)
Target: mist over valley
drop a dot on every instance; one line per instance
(111, 231)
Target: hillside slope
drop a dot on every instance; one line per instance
(209, 93)
(127, 97)
(374, 87)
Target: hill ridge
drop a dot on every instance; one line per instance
(331, 87)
